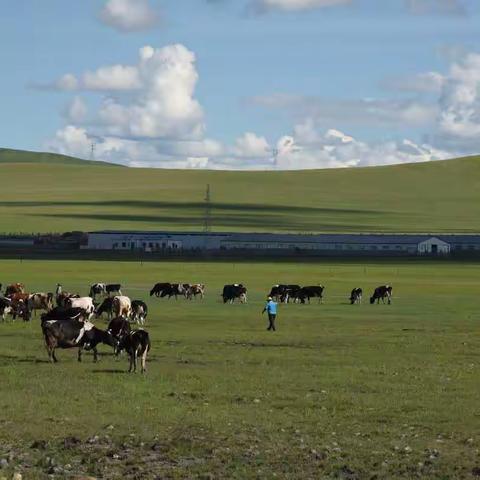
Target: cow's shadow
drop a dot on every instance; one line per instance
(109, 370)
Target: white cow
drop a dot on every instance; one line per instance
(85, 303)
(122, 306)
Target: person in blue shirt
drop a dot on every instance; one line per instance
(271, 309)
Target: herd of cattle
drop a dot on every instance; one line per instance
(66, 321)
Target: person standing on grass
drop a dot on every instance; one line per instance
(271, 309)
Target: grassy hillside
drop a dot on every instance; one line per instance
(439, 196)
(20, 156)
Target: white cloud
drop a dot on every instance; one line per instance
(294, 5)
(77, 110)
(68, 82)
(129, 15)
(250, 145)
(367, 111)
(164, 106)
(115, 77)
(161, 124)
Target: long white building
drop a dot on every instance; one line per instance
(373, 244)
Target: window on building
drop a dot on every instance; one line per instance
(124, 244)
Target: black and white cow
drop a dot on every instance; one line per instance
(64, 313)
(236, 290)
(136, 344)
(5, 307)
(105, 289)
(118, 327)
(139, 311)
(66, 334)
(105, 307)
(381, 293)
(159, 288)
(306, 293)
(283, 293)
(356, 296)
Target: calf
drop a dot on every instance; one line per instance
(73, 334)
(136, 344)
(139, 311)
(356, 296)
(122, 306)
(381, 293)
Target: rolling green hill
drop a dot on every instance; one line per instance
(21, 156)
(69, 194)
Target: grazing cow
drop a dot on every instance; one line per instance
(139, 311)
(283, 293)
(105, 307)
(5, 307)
(14, 288)
(97, 289)
(20, 306)
(122, 306)
(136, 344)
(62, 313)
(173, 290)
(382, 293)
(306, 293)
(63, 298)
(196, 289)
(105, 289)
(356, 296)
(118, 327)
(158, 288)
(68, 334)
(231, 292)
(86, 303)
(113, 288)
(40, 301)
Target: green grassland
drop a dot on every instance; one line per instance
(339, 391)
(71, 195)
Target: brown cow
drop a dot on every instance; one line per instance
(14, 288)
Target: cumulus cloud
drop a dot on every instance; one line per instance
(129, 15)
(76, 111)
(160, 123)
(312, 147)
(375, 112)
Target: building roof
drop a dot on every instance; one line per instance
(354, 238)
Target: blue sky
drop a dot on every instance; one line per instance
(224, 83)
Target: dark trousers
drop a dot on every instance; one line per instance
(271, 321)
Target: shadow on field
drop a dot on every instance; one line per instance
(109, 370)
(261, 220)
(155, 205)
(31, 360)
(265, 345)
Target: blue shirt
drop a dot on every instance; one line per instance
(271, 307)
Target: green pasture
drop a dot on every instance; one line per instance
(58, 194)
(339, 391)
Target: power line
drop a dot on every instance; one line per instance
(208, 211)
